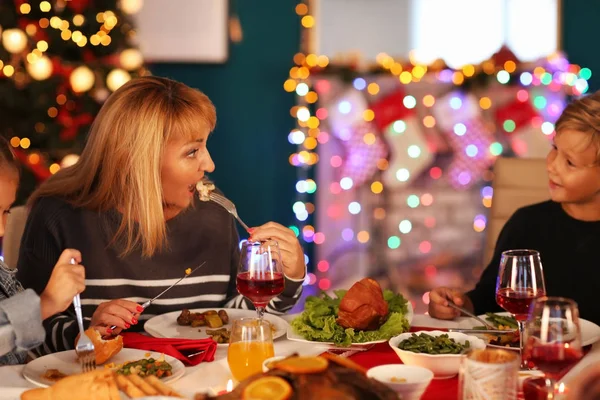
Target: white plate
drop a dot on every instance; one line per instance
(9, 393)
(66, 362)
(291, 335)
(166, 326)
(590, 332)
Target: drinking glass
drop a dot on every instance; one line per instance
(553, 338)
(520, 281)
(260, 273)
(250, 344)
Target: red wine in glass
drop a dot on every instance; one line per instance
(260, 273)
(517, 302)
(260, 289)
(554, 359)
(552, 338)
(520, 280)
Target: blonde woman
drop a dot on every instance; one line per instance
(129, 206)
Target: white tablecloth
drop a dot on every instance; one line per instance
(213, 376)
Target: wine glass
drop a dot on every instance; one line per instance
(260, 273)
(250, 344)
(520, 280)
(553, 338)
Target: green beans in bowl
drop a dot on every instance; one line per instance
(439, 352)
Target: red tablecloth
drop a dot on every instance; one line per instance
(382, 353)
(438, 389)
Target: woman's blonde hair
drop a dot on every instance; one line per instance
(119, 168)
(583, 115)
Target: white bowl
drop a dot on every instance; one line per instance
(265, 364)
(416, 379)
(443, 366)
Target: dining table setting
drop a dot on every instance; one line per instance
(357, 342)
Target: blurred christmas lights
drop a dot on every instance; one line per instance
(308, 79)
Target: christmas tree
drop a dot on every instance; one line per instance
(59, 61)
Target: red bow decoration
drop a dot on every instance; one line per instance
(39, 169)
(390, 109)
(71, 124)
(520, 112)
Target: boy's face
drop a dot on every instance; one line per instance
(573, 171)
(8, 193)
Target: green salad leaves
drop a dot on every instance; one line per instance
(317, 321)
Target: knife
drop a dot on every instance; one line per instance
(147, 303)
(494, 331)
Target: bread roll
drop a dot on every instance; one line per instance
(95, 385)
(104, 349)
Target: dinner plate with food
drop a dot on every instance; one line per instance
(104, 384)
(375, 316)
(590, 332)
(203, 323)
(49, 369)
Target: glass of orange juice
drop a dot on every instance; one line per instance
(250, 344)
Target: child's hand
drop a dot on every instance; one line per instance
(66, 281)
(438, 303)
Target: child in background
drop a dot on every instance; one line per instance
(22, 311)
(565, 230)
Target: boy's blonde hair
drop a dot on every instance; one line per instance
(583, 115)
(119, 168)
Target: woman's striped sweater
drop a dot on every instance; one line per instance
(205, 232)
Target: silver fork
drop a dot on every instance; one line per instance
(229, 206)
(462, 310)
(85, 347)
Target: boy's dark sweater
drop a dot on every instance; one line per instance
(570, 253)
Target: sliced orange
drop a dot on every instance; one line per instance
(303, 365)
(268, 388)
(344, 362)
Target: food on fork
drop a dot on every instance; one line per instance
(204, 189)
(188, 271)
(363, 307)
(103, 348)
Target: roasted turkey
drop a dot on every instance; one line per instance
(363, 307)
(342, 380)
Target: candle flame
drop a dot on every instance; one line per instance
(229, 385)
(561, 387)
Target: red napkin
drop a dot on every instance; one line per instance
(178, 348)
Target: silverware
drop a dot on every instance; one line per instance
(147, 303)
(462, 310)
(229, 206)
(85, 348)
(495, 331)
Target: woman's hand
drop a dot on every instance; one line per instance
(66, 281)
(121, 313)
(291, 252)
(438, 303)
